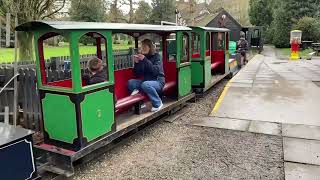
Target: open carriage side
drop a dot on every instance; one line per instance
(77, 118)
(210, 57)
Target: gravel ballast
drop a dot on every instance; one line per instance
(179, 150)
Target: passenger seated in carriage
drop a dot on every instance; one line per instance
(148, 65)
(95, 72)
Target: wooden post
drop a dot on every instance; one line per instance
(15, 82)
(8, 20)
(6, 114)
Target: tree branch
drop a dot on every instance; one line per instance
(55, 11)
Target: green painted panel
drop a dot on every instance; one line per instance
(227, 70)
(184, 81)
(97, 112)
(207, 72)
(197, 73)
(59, 117)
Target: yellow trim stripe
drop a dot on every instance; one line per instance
(223, 94)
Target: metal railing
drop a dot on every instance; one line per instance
(6, 113)
(7, 84)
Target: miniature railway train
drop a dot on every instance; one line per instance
(78, 119)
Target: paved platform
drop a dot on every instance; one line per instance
(276, 97)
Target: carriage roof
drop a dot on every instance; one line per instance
(71, 25)
(213, 29)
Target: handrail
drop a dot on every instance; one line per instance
(4, 87)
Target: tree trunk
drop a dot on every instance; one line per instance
(25, 45)
(131, 11)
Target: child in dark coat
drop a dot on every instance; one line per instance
(97, 73)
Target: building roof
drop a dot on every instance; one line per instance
(71, 25)
(206, 20)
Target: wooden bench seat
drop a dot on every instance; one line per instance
(137, 99)
(130, 101)
(215, 65)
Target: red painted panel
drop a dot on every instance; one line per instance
(170, 71)
(217, 55)
(42, 63)
(218, 58)
(121, 78)
(63, 83)
(207, 52)
(196, 55)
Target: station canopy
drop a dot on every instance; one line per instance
(122, 27)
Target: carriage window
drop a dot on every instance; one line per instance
(172, 47)
(123, 49)
(195, 43)
(185, 48)
(54, 55)
(93, 59)
(218, 41)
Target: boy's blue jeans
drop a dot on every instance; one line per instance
(151, 88)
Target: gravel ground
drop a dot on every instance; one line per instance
(178, 150)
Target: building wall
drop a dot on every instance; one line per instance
(239, 9)
(234, 28)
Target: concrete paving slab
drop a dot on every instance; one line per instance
(301, 131)
(290, 102)
(301, 150)
(265, 128)
(263, 85)
(236, 84)
(296, 171)
(268, 81)
(247, 81)
(223, 123)
(263, 79)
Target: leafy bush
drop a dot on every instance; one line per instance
(282, 26)
(310, 28)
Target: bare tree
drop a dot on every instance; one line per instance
(28, 10)
(129, 3)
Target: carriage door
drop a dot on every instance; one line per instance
(183, 63)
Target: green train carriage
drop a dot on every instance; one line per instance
(80, 118)
(210, 57)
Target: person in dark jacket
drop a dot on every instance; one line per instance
(148, 65)
(242, 46)
(96, 74)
